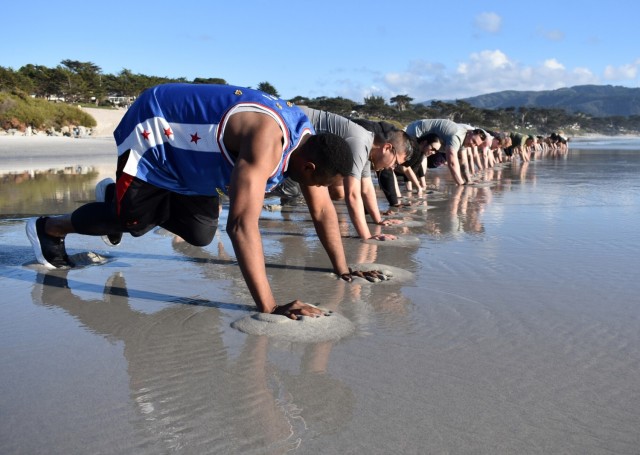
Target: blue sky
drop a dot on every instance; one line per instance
(424, 49)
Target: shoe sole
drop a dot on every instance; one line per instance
(32, 234)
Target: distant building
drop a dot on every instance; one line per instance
(121, 100)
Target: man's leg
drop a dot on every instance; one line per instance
(194, 218)
(142, 207)
(106, 192)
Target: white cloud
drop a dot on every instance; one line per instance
(483, 72)
(488, 22)
(623, 72)
(495, 60)
(553, 64)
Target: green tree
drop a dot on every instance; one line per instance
(401, 101)
(268, 88)
(45, 81)
(87, 80)
(11, 80)
(209, 80)
(337, 105)
(300, 100)
(374, 101)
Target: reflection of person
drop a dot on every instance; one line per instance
(179, 147)
(456, 138)
(179, 365)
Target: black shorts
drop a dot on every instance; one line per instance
(141, 206)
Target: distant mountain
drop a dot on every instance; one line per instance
(594, 100)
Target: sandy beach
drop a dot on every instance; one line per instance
(21, 153)
(515, 330)
(106, 119)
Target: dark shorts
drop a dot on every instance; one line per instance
(141, 206)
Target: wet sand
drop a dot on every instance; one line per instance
(517, 332)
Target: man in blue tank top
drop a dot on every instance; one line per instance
(179, 147)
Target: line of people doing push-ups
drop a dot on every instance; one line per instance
(180, 147)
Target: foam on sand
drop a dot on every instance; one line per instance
(80, 260)
(482, 184)
(330, 327)
(400, 241)
(405, 221)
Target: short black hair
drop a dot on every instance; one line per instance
(481, 133)
(330, 153)
(400, 138)
(429, 138)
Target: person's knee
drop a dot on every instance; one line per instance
(200, 238)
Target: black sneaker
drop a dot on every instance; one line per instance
(50, 250)
(105, 192)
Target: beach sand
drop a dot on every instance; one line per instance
(106, 119)
(516, 331)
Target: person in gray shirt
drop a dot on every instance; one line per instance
(455, 138)
(357, 188)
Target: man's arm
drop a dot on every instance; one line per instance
(256, 142)
(369, 199)
(256, 139)
(454, 164)
(477, 151)
(354, 189)
(325, 219)
(408, 172)
(355, 205)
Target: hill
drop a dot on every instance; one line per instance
(593, 100)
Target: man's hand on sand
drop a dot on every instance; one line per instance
(294, 310)
(383, 237)
(391, 222)
(373, 276)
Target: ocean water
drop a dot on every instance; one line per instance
(517, 330)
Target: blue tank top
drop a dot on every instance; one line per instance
(174, 135)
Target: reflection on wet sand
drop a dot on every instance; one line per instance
(138, 355)
(189, 392)
(51, 192)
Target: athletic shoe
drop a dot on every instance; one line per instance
(50, 250)
(105, 191)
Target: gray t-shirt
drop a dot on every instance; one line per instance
(450, 133)
(359, 139)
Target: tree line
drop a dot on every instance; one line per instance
(84, 82)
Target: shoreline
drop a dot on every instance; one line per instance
(33, 154)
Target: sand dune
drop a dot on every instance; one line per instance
(107, 120)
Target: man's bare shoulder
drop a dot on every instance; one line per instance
(250, 126)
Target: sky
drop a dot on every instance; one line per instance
(427, 50)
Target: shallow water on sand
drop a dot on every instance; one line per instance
(517, 333)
